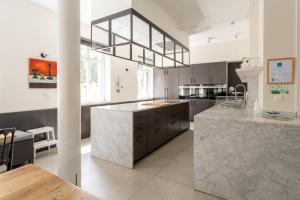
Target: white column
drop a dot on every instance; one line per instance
(69, 165)
(298, 56)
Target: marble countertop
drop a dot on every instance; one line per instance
(247, 114)
(139, 106)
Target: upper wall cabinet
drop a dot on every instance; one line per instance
(172, 83)
(201, 74)
(209, 73)
(185, 75)
(158, 83)
(217, 73)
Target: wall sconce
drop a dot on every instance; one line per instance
(44, 55)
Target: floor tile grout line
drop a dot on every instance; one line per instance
(140, 188)
(169, 179)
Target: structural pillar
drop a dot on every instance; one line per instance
(69, 128)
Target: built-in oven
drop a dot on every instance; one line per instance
(203, 91)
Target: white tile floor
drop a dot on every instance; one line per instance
(166, 174)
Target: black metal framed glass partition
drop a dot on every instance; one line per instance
(131, 36)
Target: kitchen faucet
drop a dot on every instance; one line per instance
(245, 95)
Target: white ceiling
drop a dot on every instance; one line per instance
(85, 8)
(204, 19)
(50, 4)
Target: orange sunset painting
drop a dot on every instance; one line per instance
(42, 73)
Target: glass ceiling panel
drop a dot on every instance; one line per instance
(157, 41)
(169, 48)
(179, 53)
(120, 28)
(141, 32)
(100, 37)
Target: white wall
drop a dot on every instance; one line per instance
(26, 31)
(128, 80)
(226, 51)
(279, 41)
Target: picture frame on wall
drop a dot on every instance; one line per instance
(42, 73)
(281, 71)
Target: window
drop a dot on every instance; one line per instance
(145, 82)
(92, 75)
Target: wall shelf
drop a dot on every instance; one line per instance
(250, 73)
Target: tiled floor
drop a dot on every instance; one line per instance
(166, 174)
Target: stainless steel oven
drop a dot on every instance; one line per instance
(203, 91)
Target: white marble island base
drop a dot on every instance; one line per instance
(115, 127)
(125, 133)
(240, 156)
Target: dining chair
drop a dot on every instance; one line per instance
(6, 158)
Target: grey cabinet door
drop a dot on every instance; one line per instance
(217, 73)
(172, 83)
(158, 83)
(185, 75)
(199, 105)
(140, 140)
(173, 127)
(184, 117)
(157, 133)
(201, 74)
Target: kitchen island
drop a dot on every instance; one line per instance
(125, 133)
(240, 155)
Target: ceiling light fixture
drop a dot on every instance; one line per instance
(210, 39)
(131, 36)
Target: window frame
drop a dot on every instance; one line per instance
(101, 73)
(150, 85)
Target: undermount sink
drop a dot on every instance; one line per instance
(230, 102)
(278, 116)
(232, 105)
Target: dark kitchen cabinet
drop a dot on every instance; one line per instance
(209, 73)
(171, 84)
(158, 83)
(154, 127)
(201, 74)
(157, 133)
(184, 117)
(217, 73)
(173, 126)
(140, 140)
(199, 105)
(185, 75)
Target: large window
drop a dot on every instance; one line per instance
(145, 82)
(92, 75)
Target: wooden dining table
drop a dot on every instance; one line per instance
(33, 183)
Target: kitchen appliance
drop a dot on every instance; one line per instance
(202, 91)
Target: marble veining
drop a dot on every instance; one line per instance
(111, 136)
(241, 156)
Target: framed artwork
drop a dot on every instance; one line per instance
(42, 73)
(281, 71)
